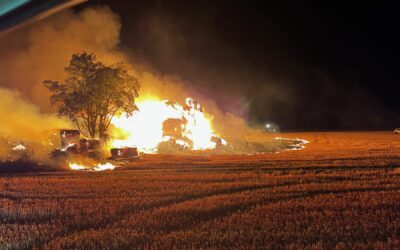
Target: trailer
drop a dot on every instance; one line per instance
(124, 153)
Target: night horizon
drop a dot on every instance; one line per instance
(305, 66)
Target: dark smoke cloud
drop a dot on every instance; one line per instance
(296, 65)
(214, 68)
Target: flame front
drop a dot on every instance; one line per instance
(102, 167)
(146, 128)
(76, 166)
(98, 167)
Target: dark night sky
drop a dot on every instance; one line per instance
(306, 65)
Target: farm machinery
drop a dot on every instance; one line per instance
(71, 143)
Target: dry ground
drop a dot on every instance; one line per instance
(341, 191)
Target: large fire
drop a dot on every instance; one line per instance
(160, 121)
(157, 122)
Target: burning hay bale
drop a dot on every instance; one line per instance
(172, 146)
(173, 127)
(159, 123)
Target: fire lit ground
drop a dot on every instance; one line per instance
(341, 191)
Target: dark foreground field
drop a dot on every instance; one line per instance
(342, 191)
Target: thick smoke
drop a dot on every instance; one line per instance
(23, 119)
(23, 125)
(38, 52)
(41, 50)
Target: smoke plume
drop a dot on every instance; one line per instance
(41, 50)
(23, 124)
(23, 119)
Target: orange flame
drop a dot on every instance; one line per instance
(145, 129)
(98, 167)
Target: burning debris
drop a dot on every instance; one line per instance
(297, 144)
(73, 146)
(98, 167)
(158, 122)
(69, 137)
(19, 147)
(72, 143)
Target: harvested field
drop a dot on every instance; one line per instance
(341, 192)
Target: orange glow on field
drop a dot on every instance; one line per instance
(145, 129)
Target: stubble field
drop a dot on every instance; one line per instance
(340, 192)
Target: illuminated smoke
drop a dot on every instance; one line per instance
(23, 122)
(42, 49)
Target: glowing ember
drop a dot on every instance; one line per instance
(75, 166)
(99, 167)
(297, 146)
(161, 121)
(19, 147)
